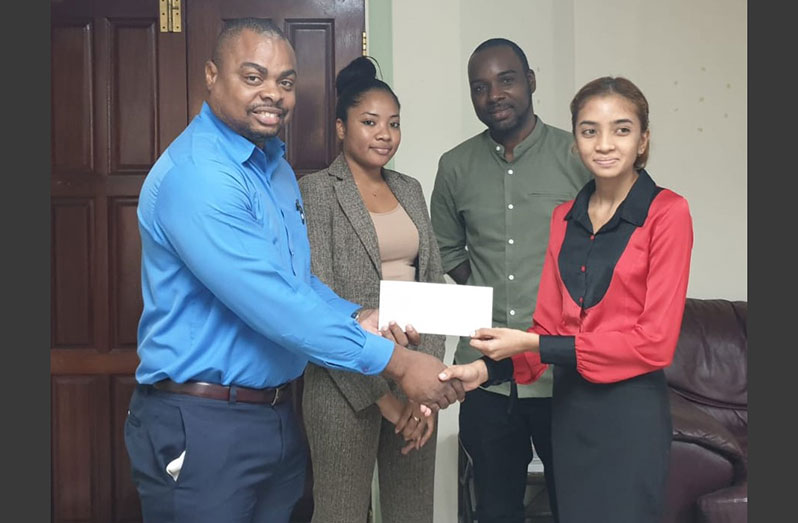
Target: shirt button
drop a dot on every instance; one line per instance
(509, 171)
(582, 268)
(511, 277)
(512, 312)
(498, 148)
(581, 300)
(592, 236)
(510, 241)
(510, 206)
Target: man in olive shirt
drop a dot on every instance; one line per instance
(491, 207)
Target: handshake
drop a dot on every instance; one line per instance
(422, 377)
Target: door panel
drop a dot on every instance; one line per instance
(79, 452)
(118, 98)
(121, 91)
(72, 272)
(71, 129)
(133, 78)
(125, 297)
(311, 139)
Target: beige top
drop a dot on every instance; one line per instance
(397, 238)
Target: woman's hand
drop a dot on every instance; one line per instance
(471, 375)
(369, 320)
(390, 407)
(405, 338)
(428, 422)
(501, 343)
(415, 425)
(415, 422)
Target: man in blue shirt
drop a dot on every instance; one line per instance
(231, 312)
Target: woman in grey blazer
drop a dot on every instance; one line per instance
(368, 223)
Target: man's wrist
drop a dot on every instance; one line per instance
(397, 365)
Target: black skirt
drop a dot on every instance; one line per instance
(610, 445)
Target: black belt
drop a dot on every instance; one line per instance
(272, 396)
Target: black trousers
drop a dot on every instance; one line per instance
(499, 444)
(241, 462)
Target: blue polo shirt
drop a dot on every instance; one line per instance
(225, 270)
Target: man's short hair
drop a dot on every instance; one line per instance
(232, 28)
(503, 42)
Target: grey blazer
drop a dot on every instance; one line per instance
(345, 255)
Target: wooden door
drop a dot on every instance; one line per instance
(121, 90)
(118, 98)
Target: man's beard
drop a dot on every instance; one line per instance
(259, 136)
(512, 124)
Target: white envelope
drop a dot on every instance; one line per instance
(436, 308)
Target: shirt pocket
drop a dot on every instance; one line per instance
(558, 197)
(264, 216)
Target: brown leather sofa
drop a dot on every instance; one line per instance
(708, 382)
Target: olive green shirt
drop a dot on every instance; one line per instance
(496, 214)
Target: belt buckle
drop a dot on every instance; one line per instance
(276, 396)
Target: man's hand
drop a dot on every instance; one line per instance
(417, 375)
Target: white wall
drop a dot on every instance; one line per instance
(687, 56)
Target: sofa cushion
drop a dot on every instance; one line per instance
(710, 365)
(693, 425)
(694, 471)
(711, 361)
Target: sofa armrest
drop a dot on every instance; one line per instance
(729, 505)
(693, 425)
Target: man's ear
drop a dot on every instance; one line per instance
(530, 78)
(211, 73)
(340, 128)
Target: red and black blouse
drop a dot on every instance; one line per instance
(611, 301)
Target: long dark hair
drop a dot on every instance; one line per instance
(354, 80)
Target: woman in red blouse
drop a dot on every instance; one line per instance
(608, 316)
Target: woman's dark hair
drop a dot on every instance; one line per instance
(607, 85)
(356, 79)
